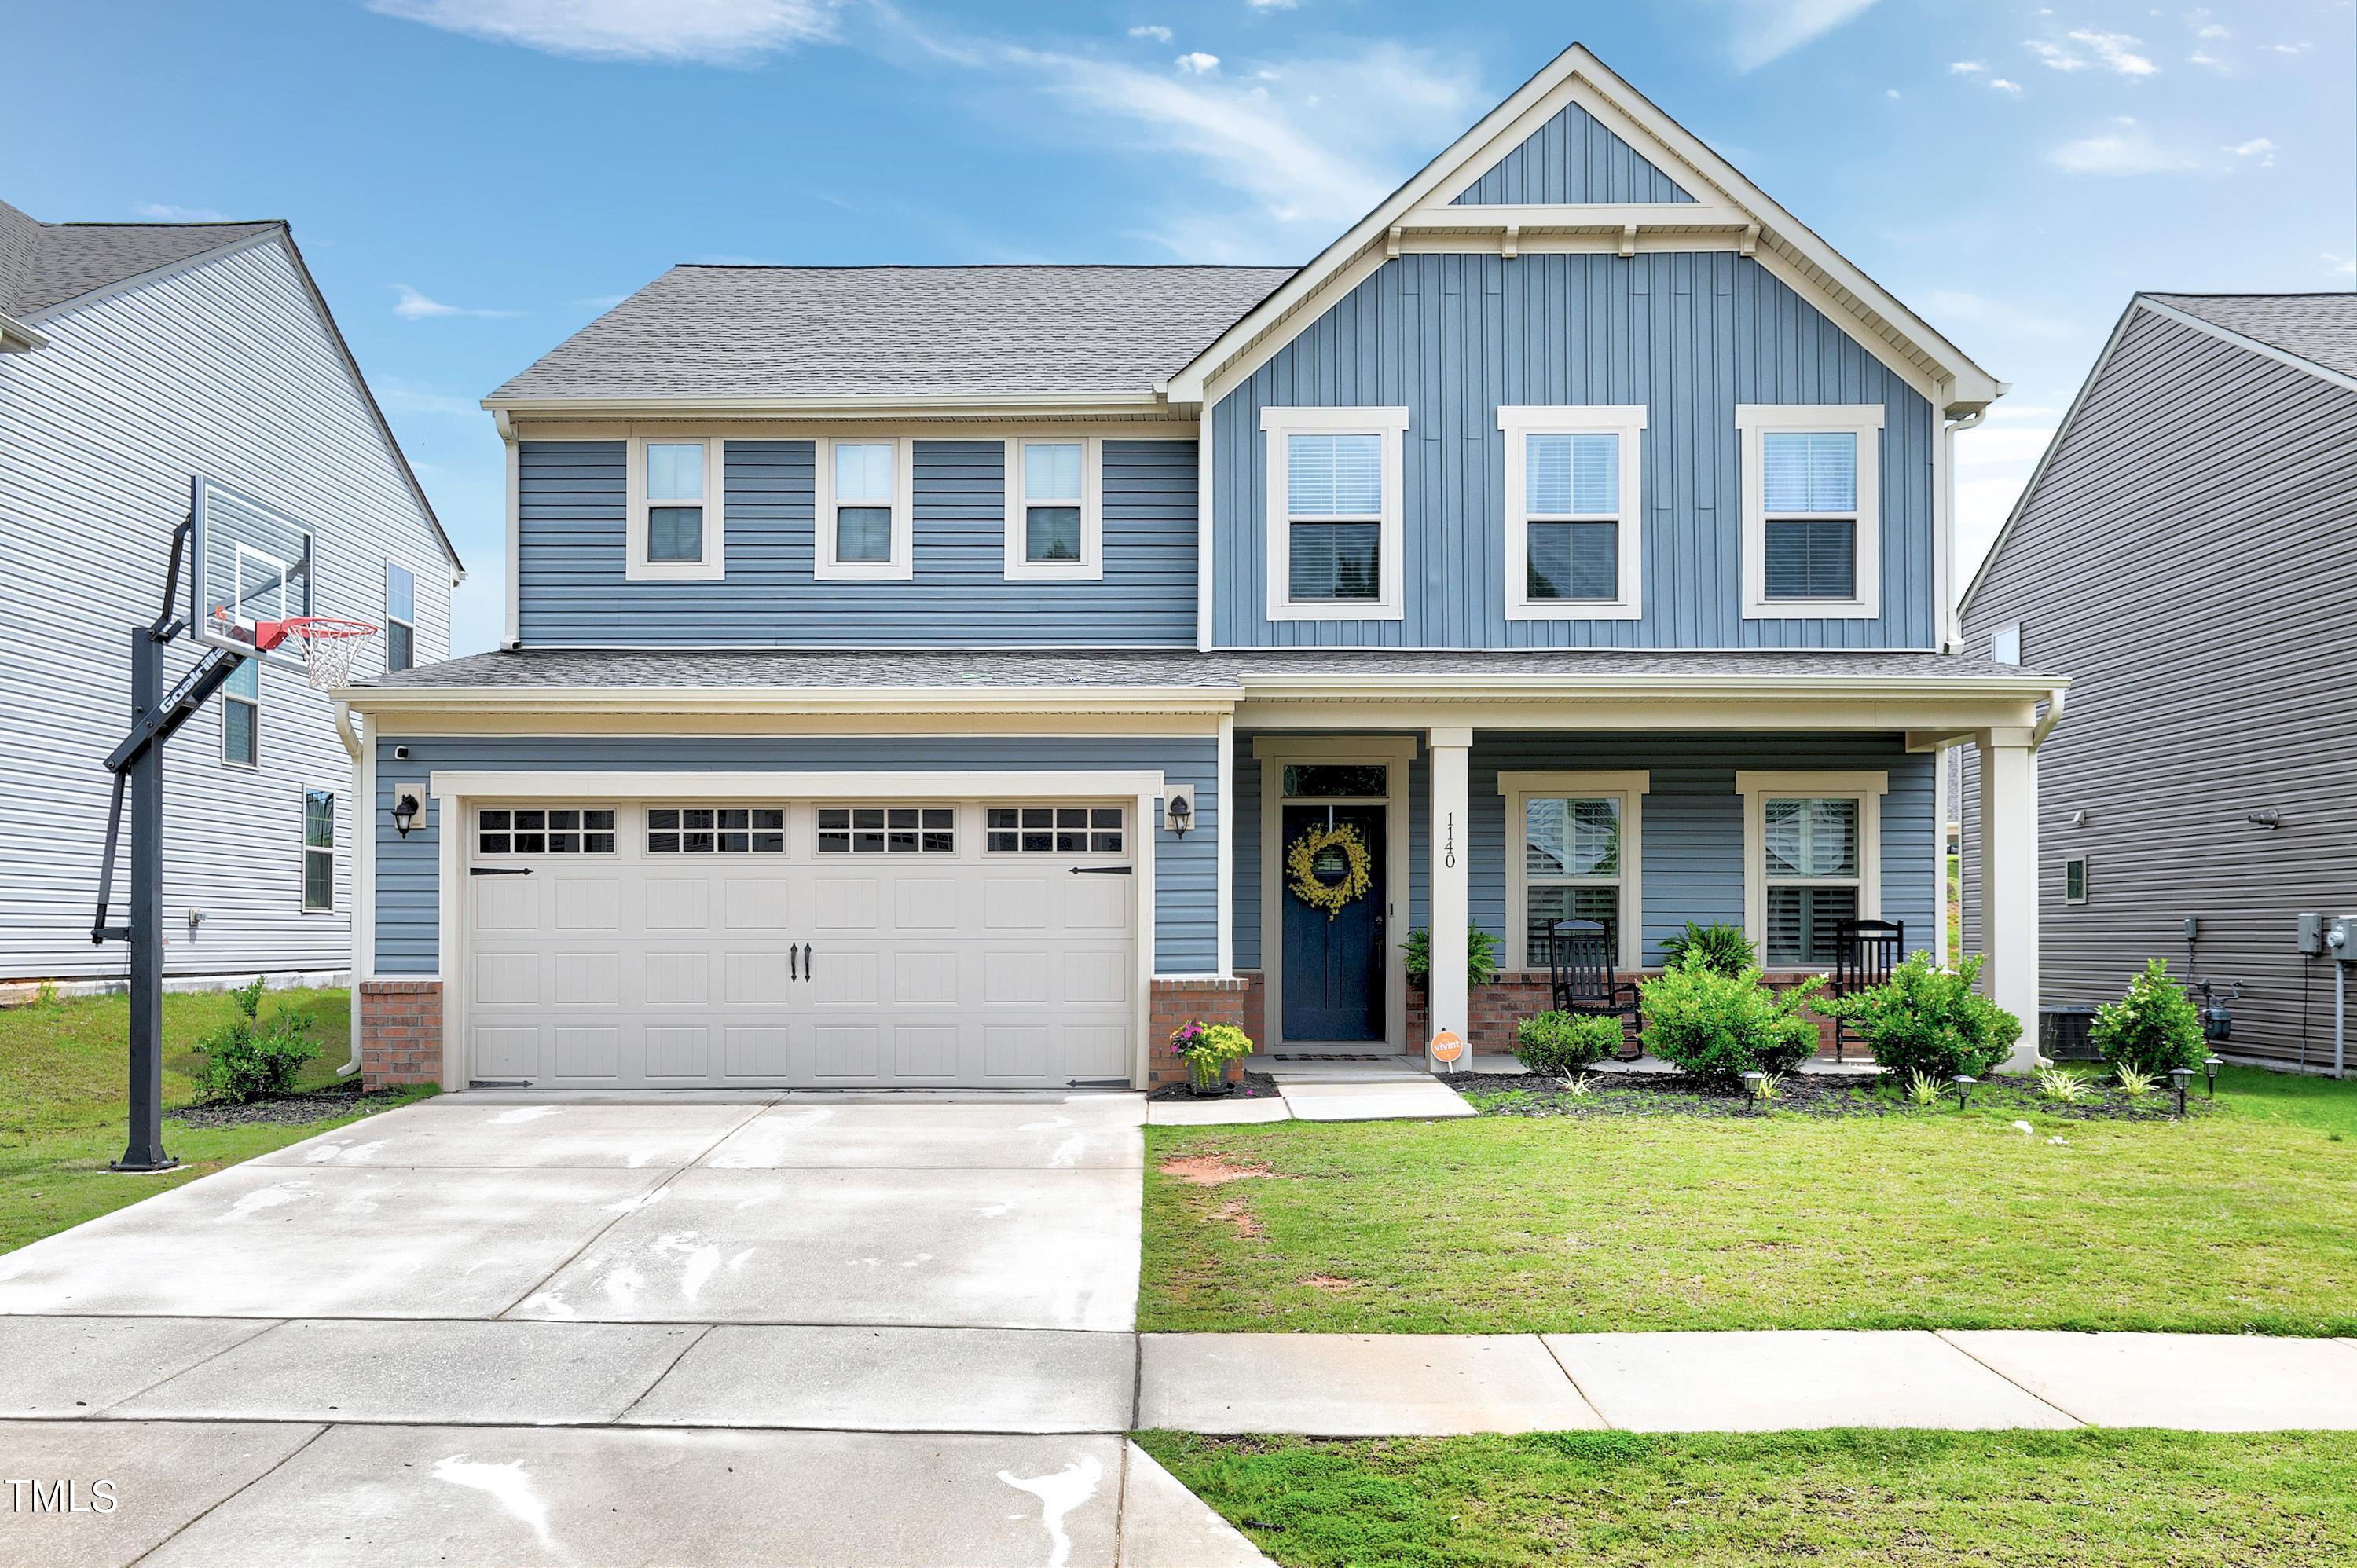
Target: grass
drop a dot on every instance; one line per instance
(2243, 1220)
(61, 1120)
(2122, 1499)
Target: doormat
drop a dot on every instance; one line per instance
(1330, 1055)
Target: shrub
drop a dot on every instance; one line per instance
(1481, 956)
(1717, 946)
(1566, 1042)
(1930, 1020)
(2153, 1028)
(248, 996)
(249, 1059)
(1716, 1028)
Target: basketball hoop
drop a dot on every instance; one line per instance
(327, 643)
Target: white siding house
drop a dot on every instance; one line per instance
(136, 356)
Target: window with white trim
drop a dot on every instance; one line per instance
(1334, 509)
(1053, 830)
(2005, 643)
(1572, 842)
(1811, 523)
(1055, 524)
(716, 829)
(675, 521)
(318, 850)
(1811, 844)
(2074, 880)
(240, 712)
(544, 829)
(399, 618)
(1574, 518)
(886, 830)
(864, 497)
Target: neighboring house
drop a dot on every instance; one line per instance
(923, 675)
(136, 356)
(2187, 549)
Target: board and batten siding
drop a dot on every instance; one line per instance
(574, 591)
(1571, 158)
(408, 870)
(1690, 335)
(223, 369)
(2189, 559)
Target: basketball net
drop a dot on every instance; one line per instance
(328, 644)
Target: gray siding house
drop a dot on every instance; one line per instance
(964, 675)
(2186, 551)
(132, 358)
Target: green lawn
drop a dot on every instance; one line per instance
(2244, 1220)
(61, 1117)
(1934, 1499)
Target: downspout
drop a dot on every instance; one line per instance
(363, 820)
(2046, 726)
(1951, 616)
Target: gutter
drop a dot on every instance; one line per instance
(1019, 700)
(362, 823)
(864, 405)
(2053, 716)
(15, 338)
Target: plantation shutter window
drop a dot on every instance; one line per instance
(1812, 875)
(1571, 867)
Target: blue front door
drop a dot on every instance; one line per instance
(1334, 966)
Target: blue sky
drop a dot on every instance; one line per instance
(472, 179)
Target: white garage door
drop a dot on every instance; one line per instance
(657, 944)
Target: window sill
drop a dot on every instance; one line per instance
(1360, 609)
(863, 571)
(675, 572)
(1575, 609)
(1811, 609)
(1055, 571)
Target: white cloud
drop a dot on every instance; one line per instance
(2126, 151)
(2010, 88)
(2118, 51)
(165, 212)
(2345, 265)
(2213, 31)
(1890, 92)
(1967, 66)
(670, 32)
(1272, 5)
(411, 305)
(2053, 56)
(2298, 49)
(1160, 35)
(2257, 147)
(1196, 63)
(1765, 30)
(2203, 58)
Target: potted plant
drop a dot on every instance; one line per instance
(1208, 1049)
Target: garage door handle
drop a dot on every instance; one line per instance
(1100, 871)
(498, 871)
(793, 963)
(809, 969)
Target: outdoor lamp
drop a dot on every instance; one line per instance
(2178, 1077)
(1752, 1081)
(1181, 813)
(2209, 1067)
(1964, 1083)
(404, 812)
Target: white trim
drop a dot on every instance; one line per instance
(1394, 753)
(1225, 873)
(1391, 425)
(714, 565)
(306, 849)
(902, 565)
(514, 622)
(1630, 788)
(1863, 420)
(1206, 525)
(2081, 862)
(255, 702)
(391, 621)
(1090, 567)
(1627, 422)
(1756, 788)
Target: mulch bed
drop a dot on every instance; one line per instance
(1804, 1094)
(311, 1105)
(1256, 1086)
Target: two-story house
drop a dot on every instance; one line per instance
(961, 675)
(134, 359)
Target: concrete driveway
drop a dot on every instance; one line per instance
(839, 1330)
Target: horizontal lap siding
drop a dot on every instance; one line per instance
(575, 590)
(1689, 334)
(1186, 869)
(2187, 559)
(1572, 158)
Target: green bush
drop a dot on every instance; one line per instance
(1719, 946)
(1930, 1020)
(1481, 956)
(1566, 1042)
(1716, 1028)
(248, 1059)
(2153, 1028)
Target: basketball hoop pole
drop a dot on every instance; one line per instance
(143, 1149)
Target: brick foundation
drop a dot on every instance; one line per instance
(401, 1032)
(1172, 1002)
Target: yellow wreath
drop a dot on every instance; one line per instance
(1301, 867)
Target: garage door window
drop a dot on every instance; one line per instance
(536, 830)
(886, 830)
(1054, 830)
(716, 829)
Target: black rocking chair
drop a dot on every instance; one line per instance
(1582, 976)
(1865, 953)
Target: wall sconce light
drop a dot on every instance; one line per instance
(1179, 813)
(405, 807)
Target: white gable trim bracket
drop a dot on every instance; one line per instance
(1729, 213)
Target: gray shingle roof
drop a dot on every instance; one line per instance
(663, 667)
(46, 264)
(2319, 327)
(737, 331)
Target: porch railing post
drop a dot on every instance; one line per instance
(1449, 987)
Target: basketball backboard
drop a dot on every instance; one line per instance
(248, 562)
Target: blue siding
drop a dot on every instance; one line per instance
(1185, 870)
(573, 589)
(1572, 158)
(1690, 335)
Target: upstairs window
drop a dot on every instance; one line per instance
(1054, 527)
(1810, 518)
(241, 715)
(399, 618)
(1334, 542)
(675, 515)
(862, 526)
(1573, 516)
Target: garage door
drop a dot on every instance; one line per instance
(672, 944)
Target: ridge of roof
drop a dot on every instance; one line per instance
(2315, 328)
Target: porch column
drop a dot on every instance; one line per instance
(1449, 984)
(2008, 873)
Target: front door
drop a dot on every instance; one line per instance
(1334, 961)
